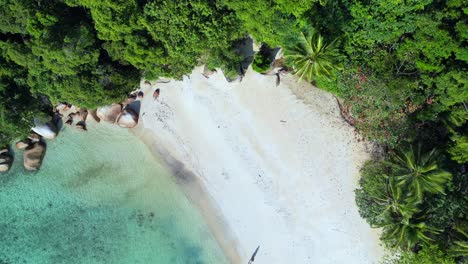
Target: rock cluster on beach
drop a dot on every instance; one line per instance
(125, 115)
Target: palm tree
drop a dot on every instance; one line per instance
(396, 205)
(311, 57)
(460, 246)
(418, 172)
(408, 233)
(459, 249)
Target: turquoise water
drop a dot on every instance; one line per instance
(100, 197)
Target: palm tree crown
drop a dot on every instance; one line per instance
(311, 57)
(418, 172)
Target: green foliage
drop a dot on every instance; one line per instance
(18, 106)
(329, 84)
(166, 38)
(404, 61)
(419, 172)
(412, 200)
(311, 57)
(262, 60)
(427, 255)
(272, 22)
(384, 203)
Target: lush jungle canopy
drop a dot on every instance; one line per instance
(398, 67)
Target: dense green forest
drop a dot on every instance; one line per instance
(399, 68)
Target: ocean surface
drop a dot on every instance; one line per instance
(99, 197)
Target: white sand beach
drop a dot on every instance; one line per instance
(278, 164)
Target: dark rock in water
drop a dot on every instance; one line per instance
(128, 118)
(109, 113)
(69, 119)
(81, 126)
(34, 137)
(33, 156)
(22, 144)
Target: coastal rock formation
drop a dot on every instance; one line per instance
(34, 137)
(109, 113)
(93, 114)
(129, 100)
(5, 160)
(69, 119)
(82, 114)
(81, 125)
(46, 130)
(62, 107)
(4, 168)
(141, 94)
(33, 156)
(128, 118)
(21, 144)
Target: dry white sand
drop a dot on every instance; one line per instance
(278, 162)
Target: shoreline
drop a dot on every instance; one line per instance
(196, 193)
(242, 162)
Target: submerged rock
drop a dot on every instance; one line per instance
(4, 167)
(46, 130)
(33, 156)
(109, 113)
(128, 118)
(5, 160)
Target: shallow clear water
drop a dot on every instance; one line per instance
(100, 197)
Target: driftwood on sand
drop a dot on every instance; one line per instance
(345, 113)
